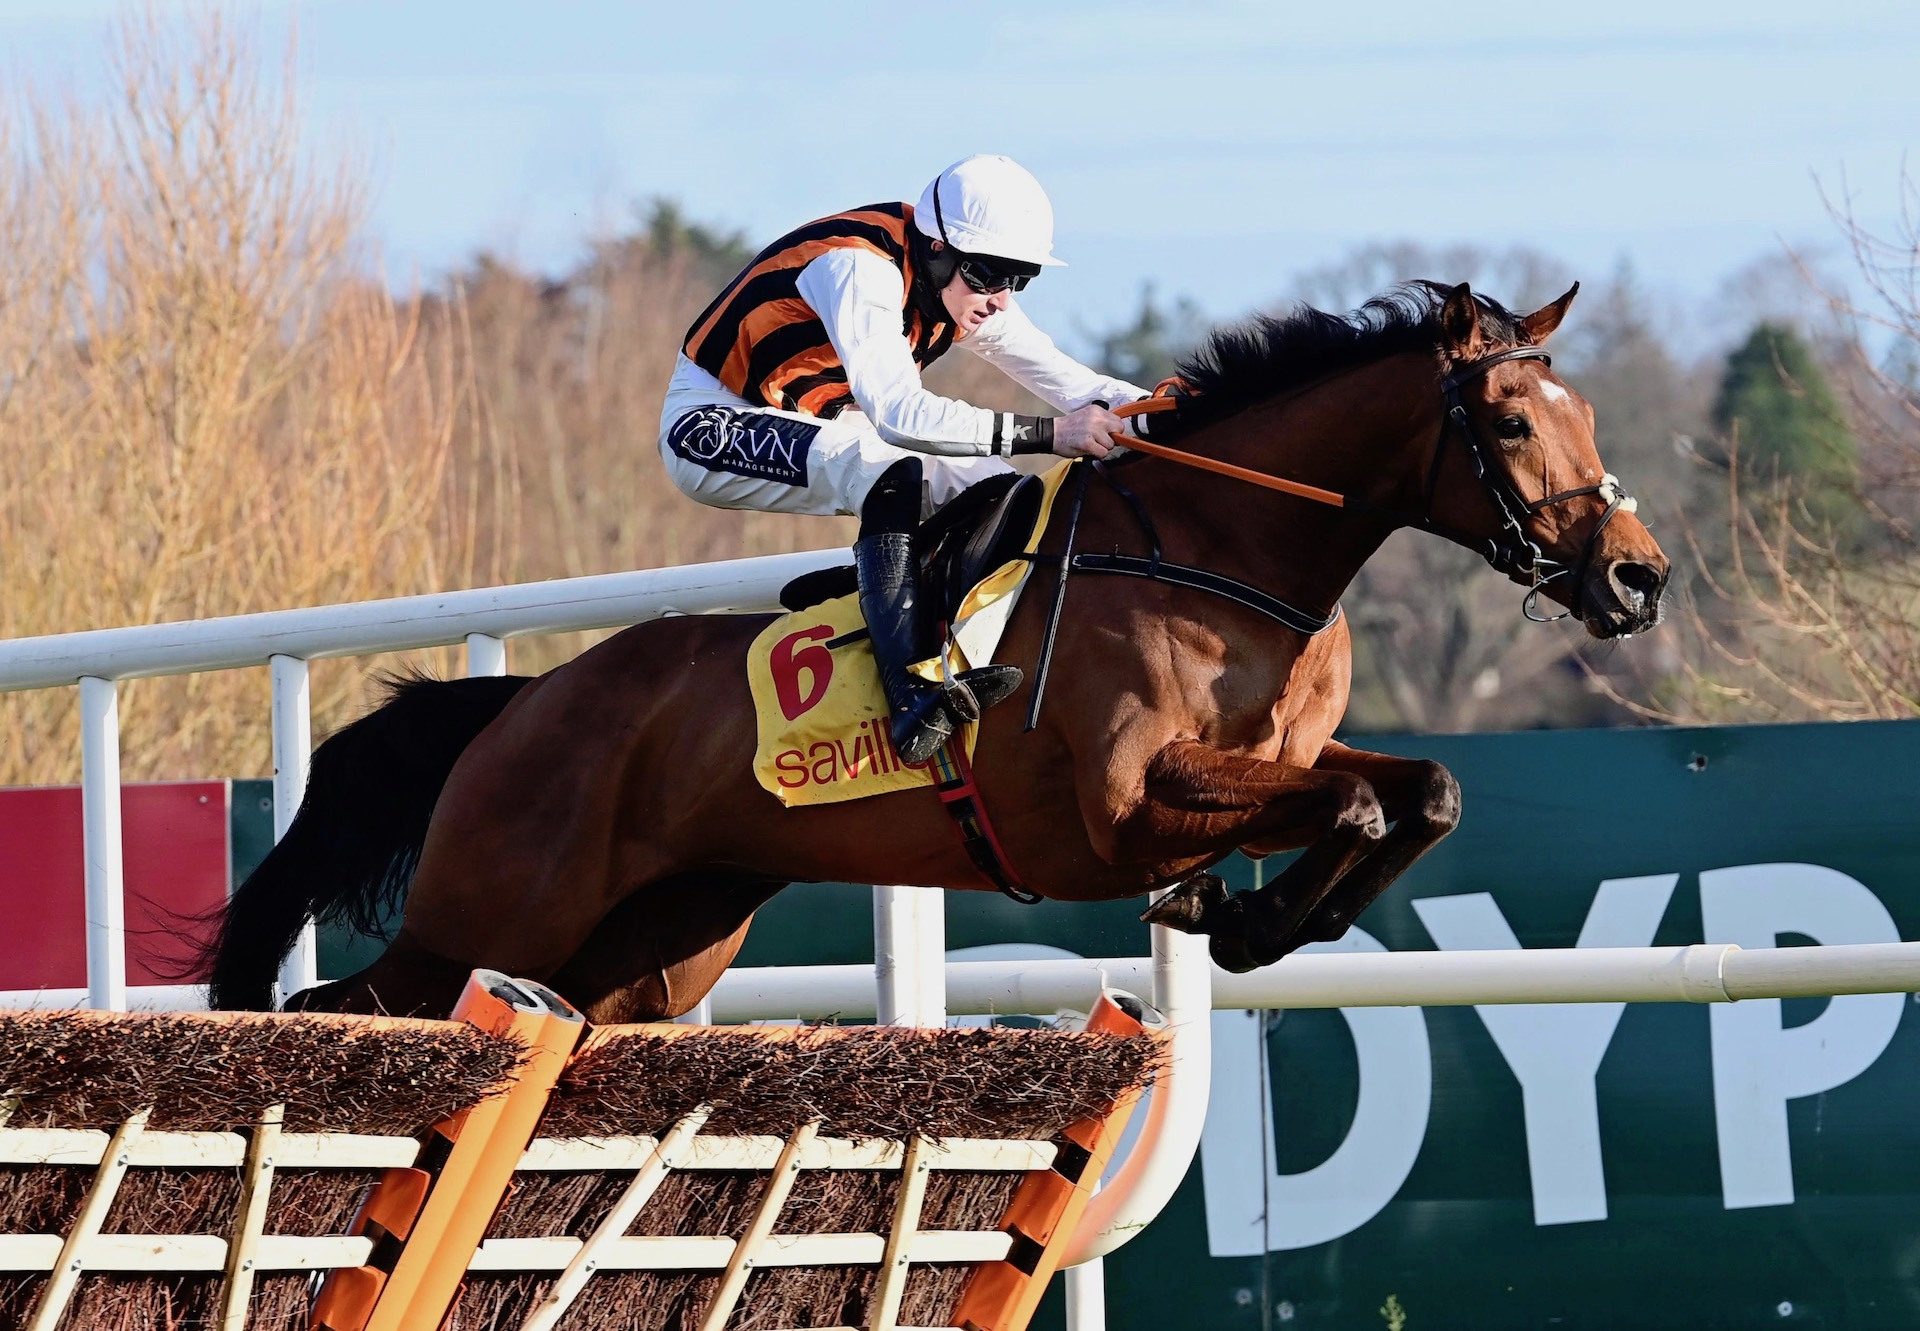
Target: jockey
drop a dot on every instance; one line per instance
(798, 391)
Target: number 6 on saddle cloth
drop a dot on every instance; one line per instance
(822, 718)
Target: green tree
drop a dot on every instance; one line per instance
(664, 235)
(1776, 403)
(1146, 350)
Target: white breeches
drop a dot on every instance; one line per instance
(727, 452)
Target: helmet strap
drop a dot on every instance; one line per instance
(931, 273)
(939, 213)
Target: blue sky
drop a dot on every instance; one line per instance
(1213, 149)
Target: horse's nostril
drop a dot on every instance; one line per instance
(1642, 580)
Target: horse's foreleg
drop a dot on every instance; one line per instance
(1422, 801)
(1198, 800)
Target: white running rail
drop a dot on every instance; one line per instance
(285, 640)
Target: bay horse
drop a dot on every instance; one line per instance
(599, 828)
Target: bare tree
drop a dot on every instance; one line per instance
(1798, 620)
(207, 406)
(1517, 276)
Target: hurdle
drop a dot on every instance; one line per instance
(254, 1189)
(673, 1173)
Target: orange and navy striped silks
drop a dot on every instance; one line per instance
(766, 344)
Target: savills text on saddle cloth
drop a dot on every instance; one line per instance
(816, 693)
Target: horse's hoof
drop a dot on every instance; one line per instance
(1230, 953)
(1229, 940)
(1187, 906)
(1176, 911)
(1325, 929)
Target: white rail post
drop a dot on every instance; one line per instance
(893, 987)
(100, 817)
(1087, 1295)
(909, 956)
(292, 754)
(486, 654)
(1176, 1110)
(931, 944)
(700, 1014)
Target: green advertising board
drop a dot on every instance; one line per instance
(1577, 1166)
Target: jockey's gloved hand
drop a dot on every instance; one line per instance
(1086, 433)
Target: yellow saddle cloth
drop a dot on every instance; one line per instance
(823, 721)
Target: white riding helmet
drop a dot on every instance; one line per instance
(989, 205)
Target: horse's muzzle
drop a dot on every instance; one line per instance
(1623, 597)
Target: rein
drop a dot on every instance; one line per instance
(1151, 406)
(1513, 552)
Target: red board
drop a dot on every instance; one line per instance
(175, 836)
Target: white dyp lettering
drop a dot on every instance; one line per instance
(1554, 1049)
(1555, 1052)
(1759, 1065)
(1251, 1207)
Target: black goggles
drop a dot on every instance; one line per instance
(987, 277)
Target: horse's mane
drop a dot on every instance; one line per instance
(1248, 362)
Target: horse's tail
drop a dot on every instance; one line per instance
(353, 845)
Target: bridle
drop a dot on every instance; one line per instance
(1511, 552)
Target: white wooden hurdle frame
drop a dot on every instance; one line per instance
(908, 984)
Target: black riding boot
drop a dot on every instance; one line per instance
(925, 713)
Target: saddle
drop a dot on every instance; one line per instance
(821, 713)
(984, 526)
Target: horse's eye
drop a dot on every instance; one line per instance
(1512, 427)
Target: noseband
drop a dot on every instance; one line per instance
(1513, 552)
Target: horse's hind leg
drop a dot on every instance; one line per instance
(658, 953)
(404, 981)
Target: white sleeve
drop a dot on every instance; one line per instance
(1011, 343)
(859, 297)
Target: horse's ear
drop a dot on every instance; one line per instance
(1460, 324)
(1538, 326)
